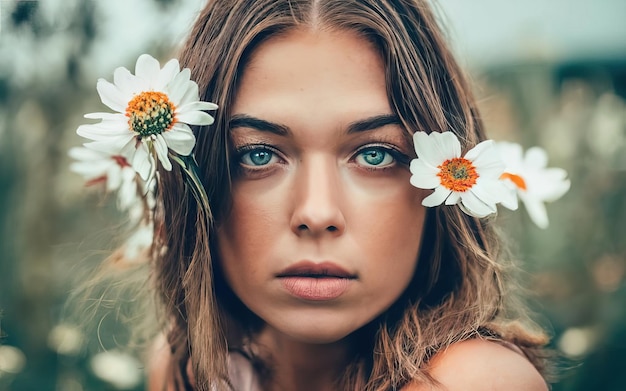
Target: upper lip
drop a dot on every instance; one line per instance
(313, 269)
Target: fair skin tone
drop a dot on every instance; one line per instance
(321, 181)
(325, 227)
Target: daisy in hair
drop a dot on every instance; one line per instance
(153, 111)
(471, 181)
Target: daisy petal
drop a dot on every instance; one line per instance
(448, 143)
(197, 105)
(475, 207)
(454, 198)
(114, 180)
(179, 86)
(160, 146)
(128, 83)
(96, 132)
(435, 148)
(180, 140)
(92, 169)
(111, 96)
(191, 94)
(147, 68)
(557, 191)
(479, 149)
(111, 145)
(128, 150)
(487, 159)
(536, 158)
(492, 192)
(107, 116)
(169, 72)
(437, 197)
(142, 162)
(79, 153)
(423, 176)
(550, 186)
(536, 211)
(511, 153)
(510, 200)
(111, 126)
(195, 118)
(127, 194)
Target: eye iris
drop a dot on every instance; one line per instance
(374, 157)
(260, 158)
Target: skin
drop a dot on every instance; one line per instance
(480, 365)
(316, 197)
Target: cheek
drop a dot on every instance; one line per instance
(391, 234)
(395, 218)
(248, 232)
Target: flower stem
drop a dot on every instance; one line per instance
(190, 168)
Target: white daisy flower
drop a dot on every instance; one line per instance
(153, 111)
(471, 181)
(114, 171)
(528, 175)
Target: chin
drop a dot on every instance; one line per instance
(317, 329)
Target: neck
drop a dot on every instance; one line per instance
(296, 365)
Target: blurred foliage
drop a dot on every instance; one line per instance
(52, 236)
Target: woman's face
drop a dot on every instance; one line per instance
(325, 228)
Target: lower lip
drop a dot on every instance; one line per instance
(315, 289)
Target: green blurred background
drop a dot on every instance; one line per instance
(547, 72)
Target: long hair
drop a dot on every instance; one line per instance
(459, 288)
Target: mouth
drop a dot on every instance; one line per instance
(310, 269)
(309, 281)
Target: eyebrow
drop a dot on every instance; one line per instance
(371, 123)
(246, 121)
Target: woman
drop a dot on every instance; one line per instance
(319, 268)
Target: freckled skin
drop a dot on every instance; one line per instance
(318, 199)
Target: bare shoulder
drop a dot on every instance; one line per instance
(482, 365)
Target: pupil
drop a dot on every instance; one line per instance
(374, 157)
(261, 158)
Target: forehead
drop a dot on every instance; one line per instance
(312, 73)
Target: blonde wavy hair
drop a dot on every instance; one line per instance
(459, 290)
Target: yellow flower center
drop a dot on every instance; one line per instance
(150, 112)
(516, 179)
(457, 174)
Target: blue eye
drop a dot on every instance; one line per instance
(374, 157)
(258, 157)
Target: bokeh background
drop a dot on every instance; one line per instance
(548, 72)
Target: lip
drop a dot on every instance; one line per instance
(315, 270)
(312, 281)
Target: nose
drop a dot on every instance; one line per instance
(318, 199)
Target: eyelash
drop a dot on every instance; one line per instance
(243, 158)
(243, 153)
(393, 152)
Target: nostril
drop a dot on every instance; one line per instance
(330, 228)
